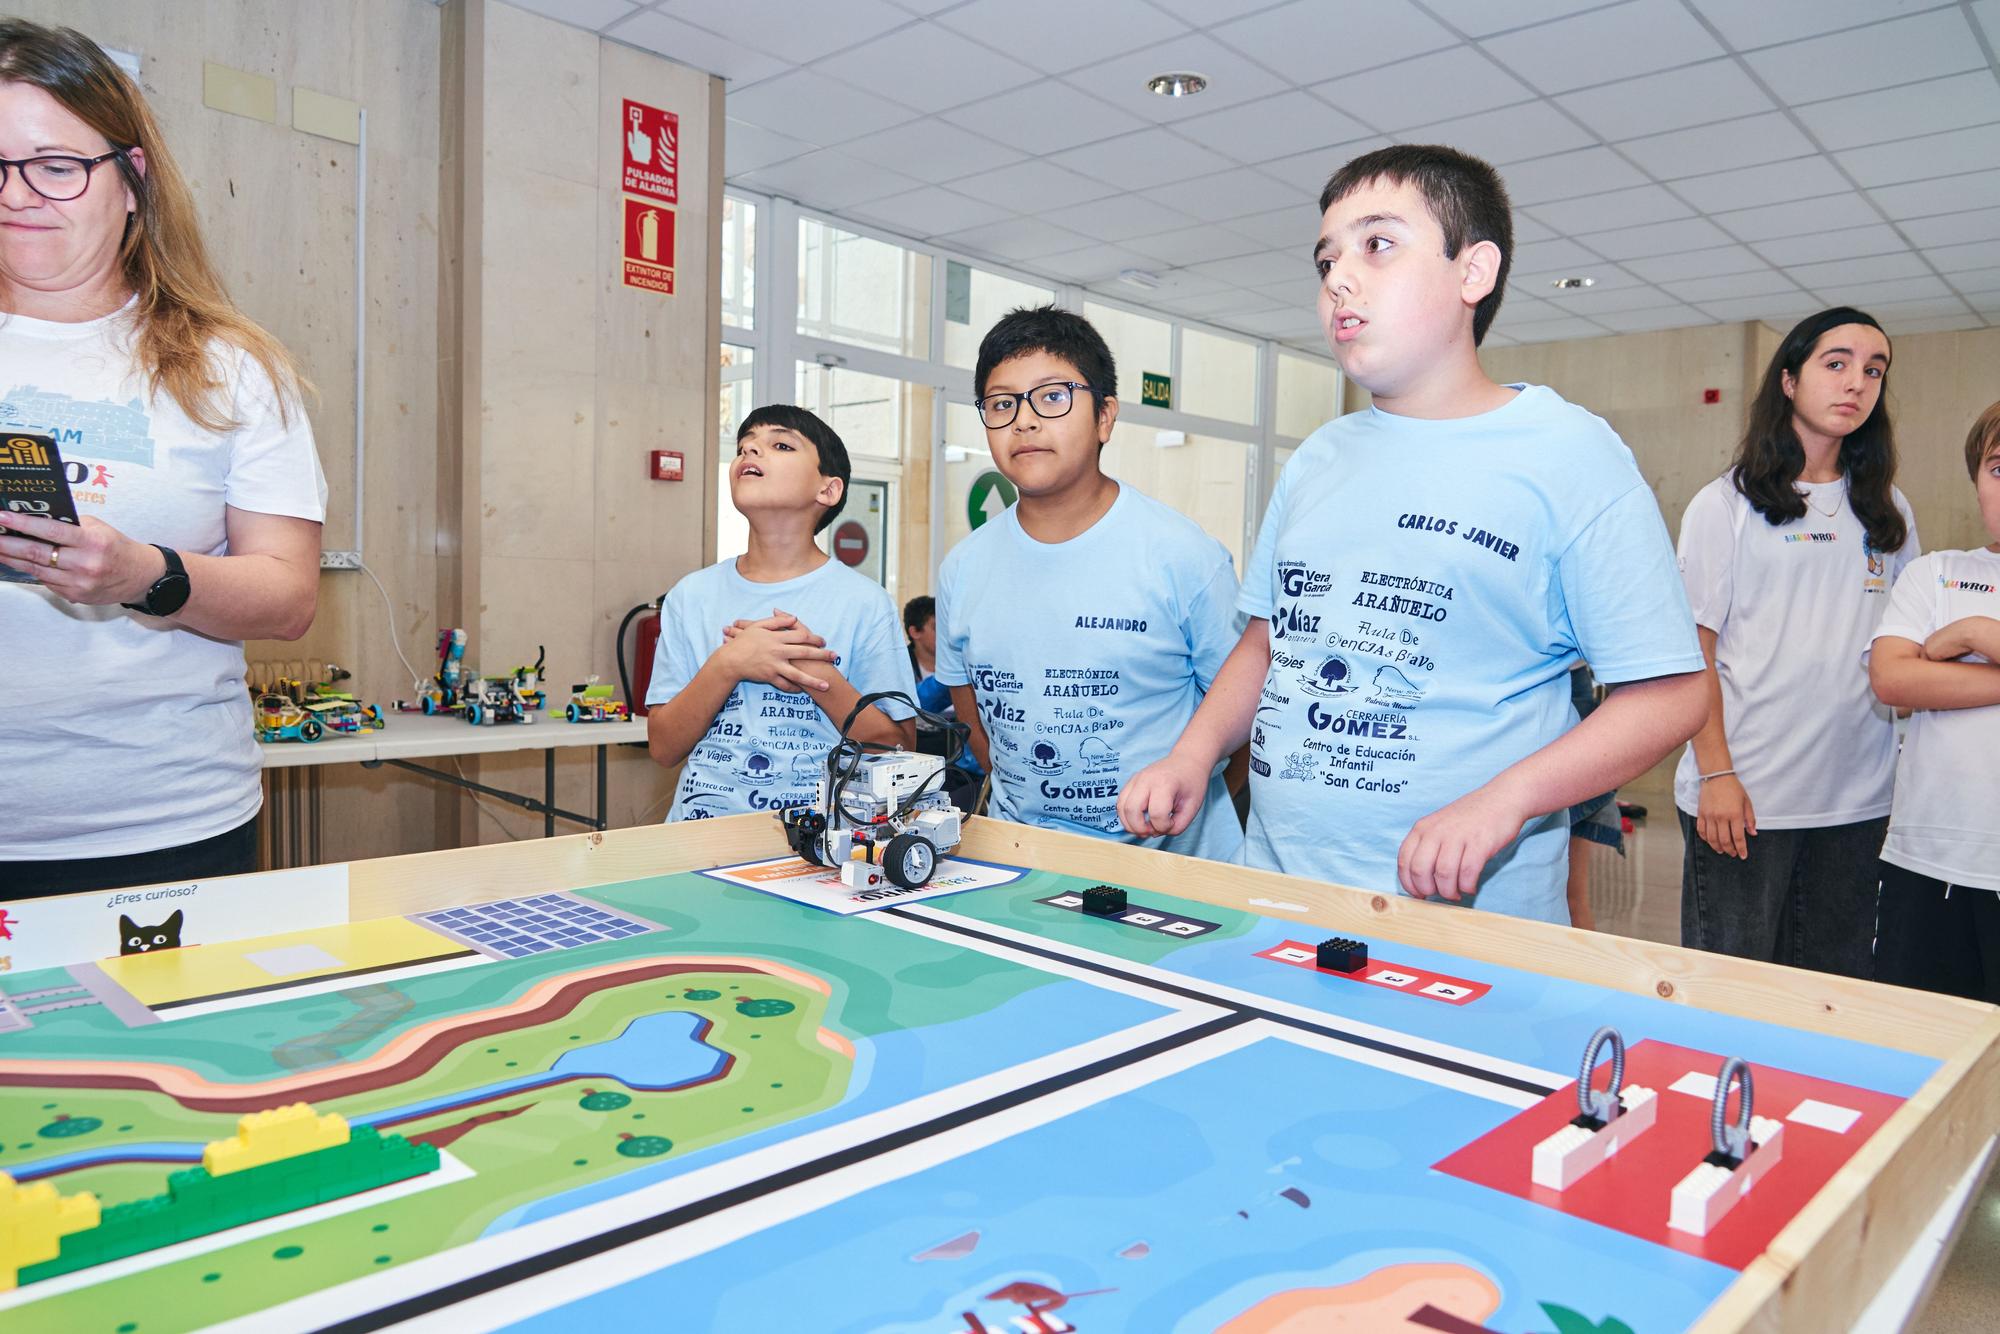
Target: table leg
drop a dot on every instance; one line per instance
(602, 761)
(548, 794)
(312, 811)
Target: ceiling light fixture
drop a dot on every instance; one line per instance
(1570, 284)
(1139, 278)
(1179, 84)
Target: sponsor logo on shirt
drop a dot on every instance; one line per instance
(1812, 537)
(1296, 581)
(1964, 585)
(1333, 677)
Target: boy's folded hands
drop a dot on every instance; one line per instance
(778, 650)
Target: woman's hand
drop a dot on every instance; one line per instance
(95, 564)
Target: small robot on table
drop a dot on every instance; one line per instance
(878, 813)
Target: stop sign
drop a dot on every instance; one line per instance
(850, 543)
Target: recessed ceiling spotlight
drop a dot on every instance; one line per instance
(1569, 284)
(1139, 278)
(1180, 84)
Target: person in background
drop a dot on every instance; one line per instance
(1788, 559)
(1937, 652)
(920, 628)
(124, 720)
(1595, 821)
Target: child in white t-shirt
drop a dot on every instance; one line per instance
(1788, 559)
(1937, 652)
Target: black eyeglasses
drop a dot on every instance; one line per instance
(56, 179)
(1047, 401)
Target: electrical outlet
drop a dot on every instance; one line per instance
(340, 560)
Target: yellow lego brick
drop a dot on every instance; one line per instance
(33, 1221)
(266, 1137)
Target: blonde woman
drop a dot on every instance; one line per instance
(125, 730)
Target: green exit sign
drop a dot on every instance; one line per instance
(1156, 391)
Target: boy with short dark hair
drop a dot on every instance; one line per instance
(1427, 571)
(746, 697)
(1079, 628)
(1937, 651)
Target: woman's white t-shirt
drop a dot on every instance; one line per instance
(120, 732)
(1946, 821)
(1793, 606)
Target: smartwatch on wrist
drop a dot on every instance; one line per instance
(169, 592)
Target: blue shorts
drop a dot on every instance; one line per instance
(1599, 821)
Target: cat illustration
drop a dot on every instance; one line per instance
(136, 939)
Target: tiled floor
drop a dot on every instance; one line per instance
(1640, 895)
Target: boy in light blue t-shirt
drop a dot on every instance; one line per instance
(1079, 628)
(1427, 571)
(748, 697)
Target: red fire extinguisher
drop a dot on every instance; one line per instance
(635, 673)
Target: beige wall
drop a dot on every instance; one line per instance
(514, 386)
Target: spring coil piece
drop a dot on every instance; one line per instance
(1601, 1105)
(1731, 1141)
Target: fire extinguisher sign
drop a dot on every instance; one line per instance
(649, 183)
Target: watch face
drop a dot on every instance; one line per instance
(169, 594)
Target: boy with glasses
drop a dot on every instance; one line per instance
(1078, 629)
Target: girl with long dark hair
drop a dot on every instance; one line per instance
(1788, 560)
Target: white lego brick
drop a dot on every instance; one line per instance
(1825, 1116)
(1709, 1192)
(1565, 1157)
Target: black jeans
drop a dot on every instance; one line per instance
(1938, 937)
(233, 853)
(1805, 897)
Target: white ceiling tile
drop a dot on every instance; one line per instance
(1454, 82)
(1309, 40)
(1277, 324)
(1670, 269)
(1055, 36)
(1880, 55)
(1043, 118)
(1185, 282)
(1837, 292)
(1767, 282)
(1191, 245)
(1233, 194)
(1121, 80)
(1477, 18)
(1034, 186)
(828, 179)
(1548, 256)
(1902, 113)
(794, 29)
(836, 111)
(1772, 183)
(1797, 217)
(1594, 302)
(1620, 208)
(1092, 264)
(1659, 238)
(1229, 301)
(1267, 267)
(1291, 293)
(928, 212)
(1209, 12)
(1646, 321)
(1532, 129)
(1926, 308)
(924, 7)
(927, 67)
(651, 30)
(1980, 224)
(932, 150)
(1978, 284)
(1964, 258)
(745, 148)
(1606, 276)
(1294, 228)
(1673, 100)
(1987, 13)
(1779, 309)
(1719, 147)
(1141, 159)
(1839, 244)
(1905, 325)
(1293, 122)
(1122, 217)
(1604, 45)
(1317, 166)
(592, 14)
(1951, 194)
(1527, 229)
(1869, 268)
(1747, 26)
(1016, 239)
(1549, 331)
(1950, 154)
(1589, 171)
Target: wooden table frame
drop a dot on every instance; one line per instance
(1818, 1274)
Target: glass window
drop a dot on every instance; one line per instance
(739, 262)
(870, 413)
(974, 300)
(1218, 377)
(1140, 344)
(966, 459)
(886, 426)
(1207, 478)
(1308, 395)
(855, 289)
(732, 534)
